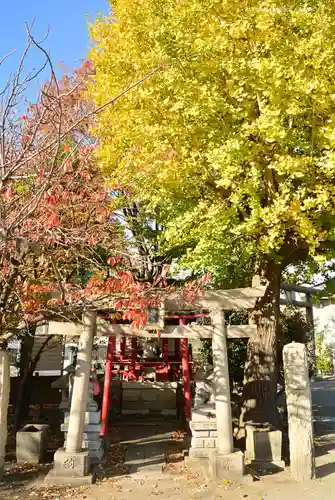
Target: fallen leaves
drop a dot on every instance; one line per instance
(178, 435)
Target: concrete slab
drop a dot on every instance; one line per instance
(145, 457)
(53, 480)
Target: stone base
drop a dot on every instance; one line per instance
(144, 398)
(70, 468)
(199, 452)
(226, 466)
(97, 456)
(266, 465)
(53, 480)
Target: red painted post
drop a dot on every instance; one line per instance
(190, 360)
(107, 385)
(186, 377)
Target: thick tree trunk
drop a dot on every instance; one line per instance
(261, 368)
(27, 368)
(22, 403)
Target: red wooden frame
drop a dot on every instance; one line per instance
(164, 368)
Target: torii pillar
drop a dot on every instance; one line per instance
(71, 465)
(224, 460)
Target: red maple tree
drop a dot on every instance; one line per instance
(60, 251)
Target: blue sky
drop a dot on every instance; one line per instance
(68, 40)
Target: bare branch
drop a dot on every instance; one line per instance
(7, 55)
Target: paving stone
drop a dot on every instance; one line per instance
(147, 458)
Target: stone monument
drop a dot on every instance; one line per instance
(92, 426)
(204, 386)
(264, 447)
(65, 384)
(203, 422)
(299, 411)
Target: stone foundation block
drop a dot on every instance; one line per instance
(197, 443)
(92, 444)
(199, 452)
(226, 466)
(148, 395)
(89, 436)
(210, 443)
(200, 434)
(131, 395)
(96, 455)
(201, 426)
(31, 443)
(70, 469)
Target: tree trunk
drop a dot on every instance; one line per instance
(261, 368)
(22, 403)
(27, 368)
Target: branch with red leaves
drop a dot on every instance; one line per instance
(60, 251)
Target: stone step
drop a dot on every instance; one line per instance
(145, 458)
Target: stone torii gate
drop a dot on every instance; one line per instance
(71, 464)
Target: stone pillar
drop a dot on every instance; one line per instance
(4, 400)
(72, 465)
(221, 378)
(299, 411)
(80, 386)
(224, 461)
(311, 340)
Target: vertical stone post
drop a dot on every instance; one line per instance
(311, 341)
(80, 386)
(225, 461)
(299, 411)
(221, 377)
(4, 400)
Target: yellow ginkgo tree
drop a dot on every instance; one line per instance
(230, 142)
